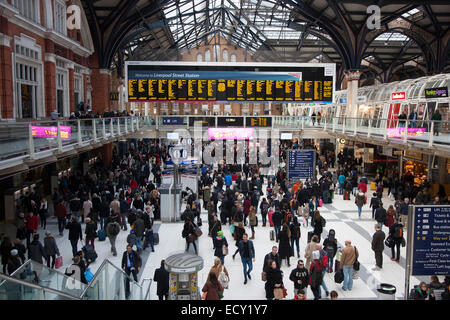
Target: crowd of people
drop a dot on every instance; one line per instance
(124, 195)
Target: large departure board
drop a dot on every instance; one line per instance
(305, 84)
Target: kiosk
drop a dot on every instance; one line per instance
(183, 271)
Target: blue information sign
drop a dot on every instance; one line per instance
(431, 255)
(301, 164)
(173, 120)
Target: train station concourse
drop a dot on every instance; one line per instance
(224, 150)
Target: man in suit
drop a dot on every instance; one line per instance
(378, 247)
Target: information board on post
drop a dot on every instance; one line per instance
(431, 243)
(301, 164)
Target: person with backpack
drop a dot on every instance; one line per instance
(378, 247)
(324, 259)
(316, 278)
(161, 277)
(294, 227)
(330, 247)
(112, 230)
(380, 215)
(300, 277)
(360, 200)
(396, 233)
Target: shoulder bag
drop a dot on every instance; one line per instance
(356, 264)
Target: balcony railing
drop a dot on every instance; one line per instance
(40, 139)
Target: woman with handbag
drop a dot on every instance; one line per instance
(51, 249)
(274, 284)
(221, 273)
(220, 246)
(189, 234)
(212, 289)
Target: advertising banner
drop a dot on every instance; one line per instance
(230, 133)
(398, 132)
(51, 132)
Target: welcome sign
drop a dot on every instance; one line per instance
(441, 92)
(51, 132)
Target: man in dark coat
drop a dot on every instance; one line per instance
(161, 277)
(271, 256)
(378, 247)
(380, 215)
(131, 264)
(75, 233)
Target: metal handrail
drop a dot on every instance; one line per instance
(149, 286)
(36, 286)
(97, 273)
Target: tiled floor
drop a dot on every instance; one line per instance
(340, 215)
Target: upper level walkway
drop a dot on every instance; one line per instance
(23, 144)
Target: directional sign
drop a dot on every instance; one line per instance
(301, 164)
(431, 241)
(178, 154)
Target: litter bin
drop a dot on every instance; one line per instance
(386, 291)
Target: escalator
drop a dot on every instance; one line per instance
(34, 281)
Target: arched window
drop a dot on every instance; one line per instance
(199, 57)
(207, 55)
(233, 58)
(225, 55)
(216, 53)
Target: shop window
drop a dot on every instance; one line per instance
(199, 57)
(225, 55)
(207, 56)
(233, 58)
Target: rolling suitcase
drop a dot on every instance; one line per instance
(339, 276)
(102, 235)
(270, 218)
(155, 238)
(310, 235)
(272, 235)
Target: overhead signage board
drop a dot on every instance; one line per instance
(173, 120)
(441, 92)
(173, 136)
(413, 155)
(431, 234)
(361, 99)
(203, 121)
(286, 136)
(149, 82)
(301, 164)
(398, 95)
(114, 96)
(258, 121)
(230, 121)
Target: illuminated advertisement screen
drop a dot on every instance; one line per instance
(398, 132)
(51, 132)
(230, 133)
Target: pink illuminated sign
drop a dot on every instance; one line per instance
(230, 133)
(398, 132)
(51, 132)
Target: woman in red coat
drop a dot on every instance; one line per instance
(31, 226)
(390, 215)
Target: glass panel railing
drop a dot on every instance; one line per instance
(18, 288)
(39, 274)
(112, 283)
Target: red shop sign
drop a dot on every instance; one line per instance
(398, 95)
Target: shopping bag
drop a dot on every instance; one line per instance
(278, 293)
(88, 275)
(58, 262)
(339, 276)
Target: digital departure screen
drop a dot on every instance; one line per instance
(311, 84)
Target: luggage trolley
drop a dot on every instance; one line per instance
(183, 271)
